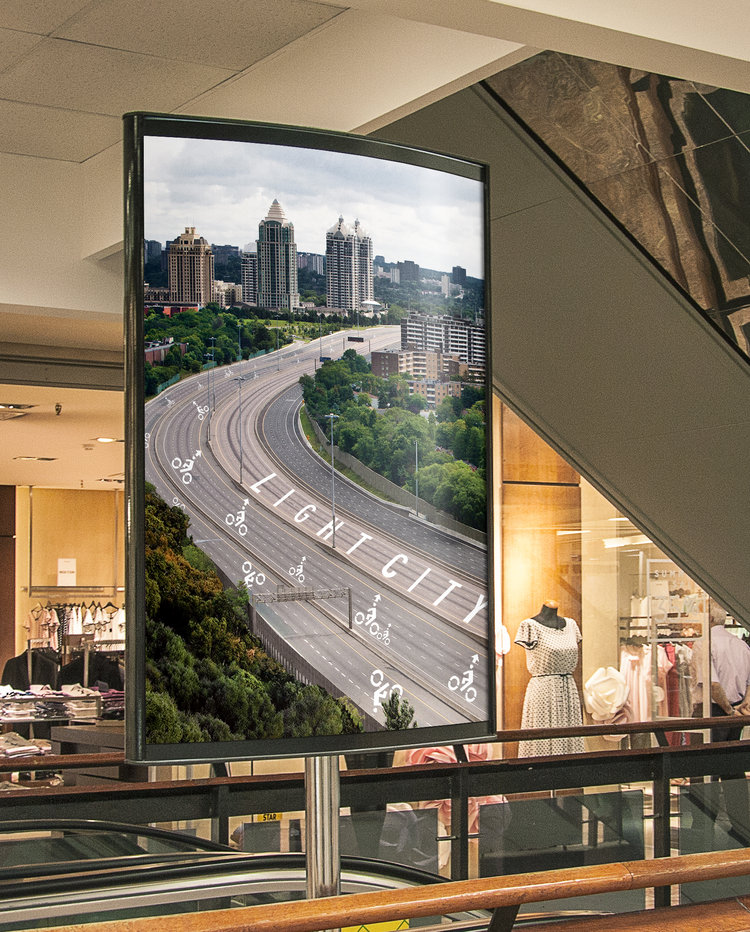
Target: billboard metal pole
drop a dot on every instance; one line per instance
(322, 802)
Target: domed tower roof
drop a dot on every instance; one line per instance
(341, 227)
(276, 212)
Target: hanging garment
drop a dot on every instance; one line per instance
(44, 669)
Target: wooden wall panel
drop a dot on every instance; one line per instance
(84, 524)
(538, 564)
(527, 458)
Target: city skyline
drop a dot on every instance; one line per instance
(223, 188)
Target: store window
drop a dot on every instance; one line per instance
(62, 625)
(598, 625)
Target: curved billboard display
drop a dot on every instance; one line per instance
(307, 443)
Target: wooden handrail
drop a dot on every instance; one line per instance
(62, 761)
(438, 899)
(717, 916)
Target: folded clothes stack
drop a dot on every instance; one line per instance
(42, 702)
(14, 745)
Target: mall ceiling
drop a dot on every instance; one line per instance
(69, 69)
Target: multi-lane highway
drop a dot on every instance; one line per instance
(260, 506)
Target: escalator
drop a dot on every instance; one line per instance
(602, 353)
(54, 872)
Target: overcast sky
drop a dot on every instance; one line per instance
(224, 189)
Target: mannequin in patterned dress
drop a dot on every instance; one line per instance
(551, 700)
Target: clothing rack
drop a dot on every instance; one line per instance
(31, 644)
(99, 647)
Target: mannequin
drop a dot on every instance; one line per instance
(551, 701)
(548, 615)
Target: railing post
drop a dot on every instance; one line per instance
(503, 919)
(662, 821)
(220, 818)
(460, 825)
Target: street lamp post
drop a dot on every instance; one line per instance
(416, 475)
(239, 340)
(208, 357)
(331, 418)
(239, 380)
(213, 359)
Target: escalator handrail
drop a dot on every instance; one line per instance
(450, 897)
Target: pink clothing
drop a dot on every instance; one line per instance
(444, 755)
(635, 666)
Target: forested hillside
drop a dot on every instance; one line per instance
(208, 678)
(447, 447)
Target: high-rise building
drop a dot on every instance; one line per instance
(313, 261)
(227, 294)
(152, 250)
(250, 278)
(222, 253)
(348, 266)
(408, 271)
(190, 269)
(277, 261)
(458, 275)
(450, 336)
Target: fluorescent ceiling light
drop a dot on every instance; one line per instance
(630, 541)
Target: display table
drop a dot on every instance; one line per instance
(102, 737)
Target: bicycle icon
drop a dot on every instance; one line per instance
(383, 689)
(252, 576)
(463, 684)
(185, 467)
(238, 520)
(201, 409)
(147, 439)
(177, 503)
(371, 624)
(297, 572)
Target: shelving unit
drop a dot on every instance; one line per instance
(667, 607)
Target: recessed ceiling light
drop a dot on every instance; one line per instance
(8, 406)
(36, 459)
(108, 440)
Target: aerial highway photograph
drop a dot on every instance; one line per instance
(293, 589)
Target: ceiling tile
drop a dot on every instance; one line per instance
(38, 16)
(26, 129)
(69, 438)
(72, 75)
(228, 37)
(14, 44)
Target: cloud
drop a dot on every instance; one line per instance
(224, 189)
